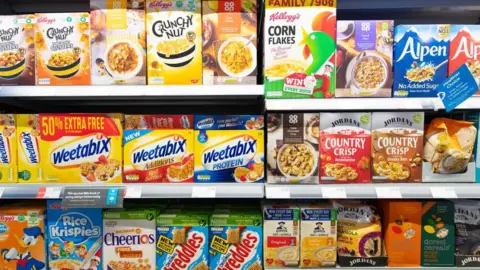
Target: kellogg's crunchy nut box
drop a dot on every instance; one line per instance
(345, 147)
(17, 50)
(62, 48)
(70, 148)
(118, 42)
(174, 41)
(300, 49)
(8, 149)
(397, 146)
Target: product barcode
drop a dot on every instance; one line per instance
(117, 4)
(44, 81)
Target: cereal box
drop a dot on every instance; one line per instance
(129, 239)
(17, 50)
(292, 147)
(229, 148)
(22, 238)
(318, 237)
(281, 232)
(345, 147)
(420, 59)
(8, 149)
(236, 240)
(465, 49)
(475, 118)
(364, 59)
(229, 41)
(299, 49)
(467, 227)
(74, 237)
(70, 148)
(182, 241)
(397, 146)
(118, 42)
(62, 48)
(159, 121)
(174, 41)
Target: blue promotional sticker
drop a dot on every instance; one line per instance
(457, 88)
(112, 196)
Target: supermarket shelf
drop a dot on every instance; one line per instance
(370, 268)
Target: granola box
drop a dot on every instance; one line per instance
(70, 148)
(182, 241)
(236, 240)
(281, 234)
(345, 140)
(129, 239)
(364, 59)
(159, 121)
(174, 41)
(17, 50)
(62, 48)
(299, 49)
(8, 149)
(229, 41)
(292, 148)
(229, 148)
(420, 59)
(118, 42)
(397, 146)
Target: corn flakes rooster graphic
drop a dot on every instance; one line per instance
(23, 257)
(320, 45)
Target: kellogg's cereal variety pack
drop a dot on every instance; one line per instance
(62, 48)
(299, 49)
(8, 149)
(70, 148)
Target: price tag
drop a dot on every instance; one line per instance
(204, 192)
(388, 193)
(133, 192)
(52, 192)
(278, 192)
(1, 191)
(334, 193)
(443, 192)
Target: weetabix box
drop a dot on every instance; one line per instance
(8, 149)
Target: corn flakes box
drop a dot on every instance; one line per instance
(182, 241)
(62, 48)
(236, 241)
(17, 50)
(229, 148)
(159, 121)
(175, 41)
(420, 58)
(129, 239)
(22, 237)
(74, 237)
(70, 148)
(118, 42)
(8, 149)
(299, 49)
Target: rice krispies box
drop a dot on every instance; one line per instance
(420, 59)
(8, 149)
(229, 148)
(70, 148)
(74, 237)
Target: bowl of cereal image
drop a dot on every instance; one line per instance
(290, 255)
(367, 73)
(123, 59)
(236, 58)
(64, 64)
(12, 64)
(176, 52)
(298, 161)
(284, 68)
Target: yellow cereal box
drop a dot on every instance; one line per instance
(62, 48)
(174, 38)
(8, 149)
(70, 148)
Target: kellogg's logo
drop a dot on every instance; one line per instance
(160, 4)
(242, 253)
(166, 147)
(6, 219)
(46, 20)
(74, 227)
(186, 254)
(86, 149)
(231, 153)
(206, 123)
(284, 16)
(5, 157)
(30, 147)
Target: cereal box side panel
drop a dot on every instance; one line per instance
(31, 150)
(8, 149)
(175, 49)
(159, 121)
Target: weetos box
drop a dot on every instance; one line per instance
(229, 148)
(8, 149)
(70, 148)
(62, 48)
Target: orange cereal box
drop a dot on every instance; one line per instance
(70, 148)
(8, 149)
(62, 48)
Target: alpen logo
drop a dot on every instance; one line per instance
(4, 150)
(231, 153)
(30, 147)
(74, 227)
(188, 253)
(418, 51)
(468, 48)
(284, 16)
(160, 4)
(164, 148)
(242, 253)
(85, 149)
(205, 123)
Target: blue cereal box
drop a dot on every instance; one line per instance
(420, 59)
(182, 241)
(236, 240)
(74, 237)
(229, 148)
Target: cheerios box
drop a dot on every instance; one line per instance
(229, 148)
(62, 48)
(8, 148)
(70, 148)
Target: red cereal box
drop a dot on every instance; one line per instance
(159, 121)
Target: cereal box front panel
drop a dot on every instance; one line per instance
(158, 156)
(8, 149)
(300, 49)
(345, 147)
(74, 237)
(420, 59)
(17, 50)
(62, 48)
(159, 121)
(70, 148)
(175, 41)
